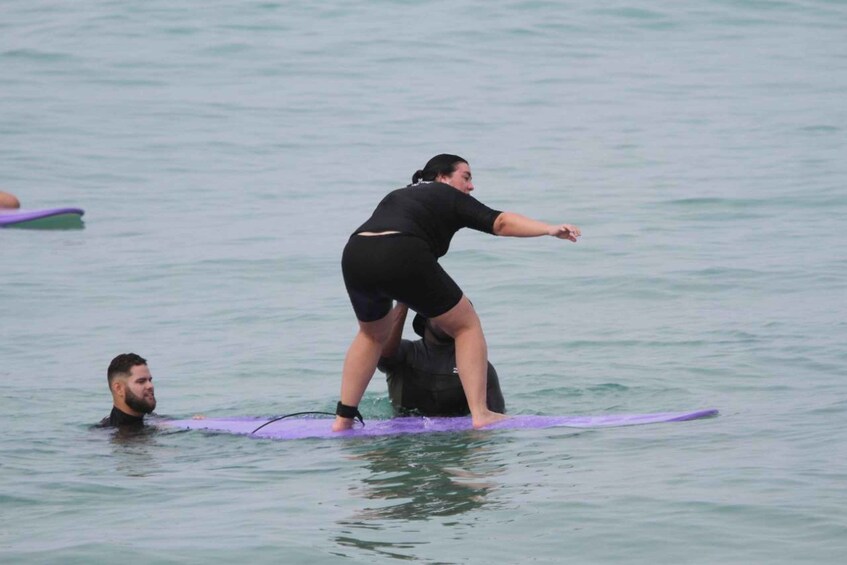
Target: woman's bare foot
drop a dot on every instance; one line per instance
(340, 424)
(487, 418)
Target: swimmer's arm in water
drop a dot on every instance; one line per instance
(393, 343)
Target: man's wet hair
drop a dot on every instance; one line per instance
(122, 365)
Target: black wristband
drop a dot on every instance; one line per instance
(351, 412)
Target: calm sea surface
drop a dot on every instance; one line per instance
(224, 150)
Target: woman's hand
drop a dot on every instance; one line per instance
(565, 231)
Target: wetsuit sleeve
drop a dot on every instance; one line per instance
(474, 214)
(387, 364)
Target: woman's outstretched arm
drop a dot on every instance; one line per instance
(510, 224)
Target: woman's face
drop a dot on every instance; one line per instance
(461, 179)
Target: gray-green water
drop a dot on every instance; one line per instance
(224, 150)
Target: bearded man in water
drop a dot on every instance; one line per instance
(132, 391)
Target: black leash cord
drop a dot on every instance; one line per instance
(278, 418)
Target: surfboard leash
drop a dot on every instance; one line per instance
(278, 418)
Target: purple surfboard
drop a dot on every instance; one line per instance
(301, 428)
(55, 218)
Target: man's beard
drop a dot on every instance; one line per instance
(139, 403)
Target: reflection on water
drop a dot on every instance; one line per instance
(135, 450)
(418, 478)
(425, 476)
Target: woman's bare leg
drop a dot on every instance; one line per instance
(462, 323)
(360, 364)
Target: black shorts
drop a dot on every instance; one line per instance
(379, 269)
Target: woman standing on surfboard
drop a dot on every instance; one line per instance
(394, 256)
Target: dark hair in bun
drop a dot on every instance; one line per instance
(443, 164)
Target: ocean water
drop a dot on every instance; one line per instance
(223, 151)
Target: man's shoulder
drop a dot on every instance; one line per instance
(387, 363)
(430, 359)
(117, 419)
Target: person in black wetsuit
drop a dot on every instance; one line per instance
(394, 256)
(133, 395)
(422, 376)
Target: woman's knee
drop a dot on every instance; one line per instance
(460, 318)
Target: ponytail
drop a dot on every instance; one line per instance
(443, 164)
